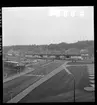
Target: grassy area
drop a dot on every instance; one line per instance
(80, 96)
(62, 83)
(23, 82)
(8, 71)
(81, 76)
(17, 86)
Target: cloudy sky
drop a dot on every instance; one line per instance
(45, 25)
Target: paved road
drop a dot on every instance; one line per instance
(61, 83)
(19, 84)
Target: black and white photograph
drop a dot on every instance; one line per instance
(48, 54)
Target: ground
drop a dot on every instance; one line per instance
(62, 83)
(20, 83)
(59, 88)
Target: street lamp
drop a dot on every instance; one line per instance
(73, 85)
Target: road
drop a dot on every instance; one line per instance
(15, 86)
(60, 88)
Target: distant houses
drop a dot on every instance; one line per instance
(19, 55)
(11, 52)
(12, 55)
(76, 53)
(84, 53)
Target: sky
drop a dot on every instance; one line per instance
(46, 25)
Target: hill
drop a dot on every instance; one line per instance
(62, 47)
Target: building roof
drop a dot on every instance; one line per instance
(11, 51)
(84, 51)
(11, 61)
(72, 51)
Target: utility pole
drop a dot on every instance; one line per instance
(73, 86)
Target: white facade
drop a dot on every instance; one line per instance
(77, 57)
(28, 55)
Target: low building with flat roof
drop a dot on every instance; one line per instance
(73, 51)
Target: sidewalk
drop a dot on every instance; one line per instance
(18, 75)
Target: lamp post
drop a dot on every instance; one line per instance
(74, 86)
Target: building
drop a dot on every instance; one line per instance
(14, 55)
(74, 54)
(84, 53)
(73, 51)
